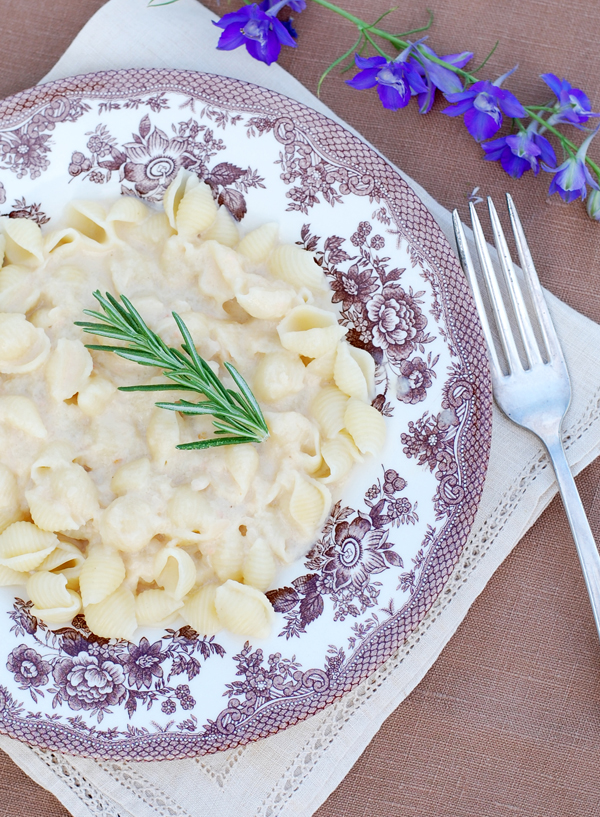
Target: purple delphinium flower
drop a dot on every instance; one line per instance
(521, 152)
(572, 105)
(395, 79)
(571, 177)
(483, 105)
(258, 28)
(436, 76)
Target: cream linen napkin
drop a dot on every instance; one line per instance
(293, 773)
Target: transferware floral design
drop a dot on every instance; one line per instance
(85, 672)
(149, 163)
(390, 546)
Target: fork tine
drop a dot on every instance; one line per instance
(502, 322)
(467, 265)
(514, 289)
(533, 282)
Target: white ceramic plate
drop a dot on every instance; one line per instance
(391, 543)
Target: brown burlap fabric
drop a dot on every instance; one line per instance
(508, 720)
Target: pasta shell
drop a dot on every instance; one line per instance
(114, 617)
(9, 496)
(60, 238)
(23, 347)
(348, 375)
(223, 229)
(189, 509)
(338, 457)
(21, 413)
(257, 244)
(156, 608)
(366, 426)
(162, 435)
(227, 560)
(244, 610)
(64, 496)
(155, 228)
(65, 557)
(267, 304)
(128, 524)
(278, 375)
(131, 477)
(196, 212)
(24, 243)
(329, 408)
(175, 192)
(242, 463)
(89, 218)
(175, 570)
(309, 504)
(200, 611)
(296, 266)
(23, 546)
(9, 577)
(52, 601)
(68, 368)
(102, 573)
(259, 565)
(309, 331)
(94, 395)
(128, 208)
(16, 291)
(323, 366)
(2, 248)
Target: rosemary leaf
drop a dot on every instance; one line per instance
(235, 413)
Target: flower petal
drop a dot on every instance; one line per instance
(509, 104)
(231, 38)
(481, 125)
(364, 79)
(282, 34)
(391, 98)
(553, 82)
(369, 62)
(458, 110)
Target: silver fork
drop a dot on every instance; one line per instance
(537, 396)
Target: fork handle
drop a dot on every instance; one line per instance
(578, 522)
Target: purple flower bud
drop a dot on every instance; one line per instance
(258, 29)
(571, 177)
(593, 205)
(572, 104)
(483, 105)
(396, 80)
(521, 152)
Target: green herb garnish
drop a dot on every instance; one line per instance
(235, 413)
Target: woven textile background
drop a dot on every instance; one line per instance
(508, 720)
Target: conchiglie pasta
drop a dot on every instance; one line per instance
(348, 374)
(89, 219)
(256, 245)
(259, 566)
(67, 369)
(175, 571)
(102, 573)
(329, 409)
(310, 331)
(200, 611)
(10, 510)
(296, 266)
(114, 616)
(163, 435)
(132, 476)
(267, 303)
(277, 375)
(24, 243)
(128, 209)
(156, 608)
(17, 292)
(21, 413)
(242, 462)
(310, 503)
(52, 601)
(128, 524)
(227, 559)
(9, 577)
(23, 546)
(196, 212)
(223, 229)
(94, 395)
(366, 426)
(244, 610)
(23, 347)
(338, 457)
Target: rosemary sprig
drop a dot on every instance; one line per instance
(235, 413)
